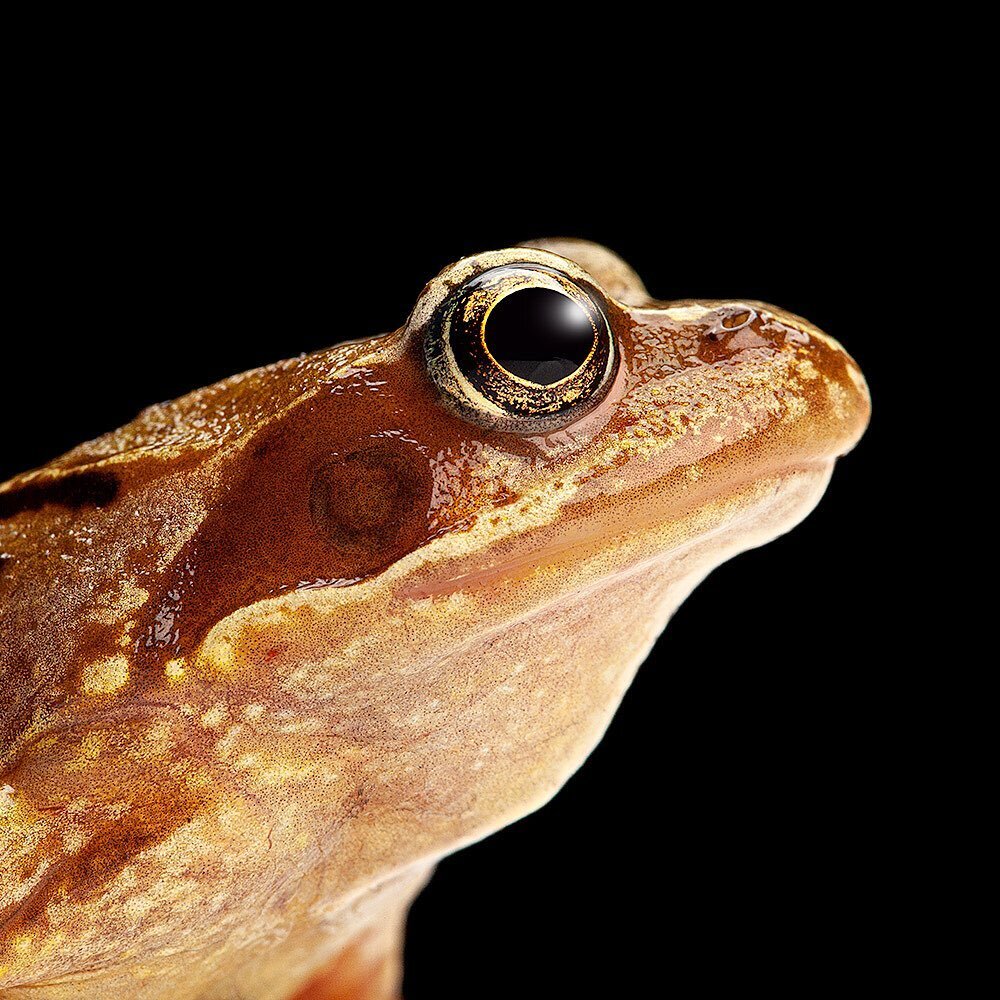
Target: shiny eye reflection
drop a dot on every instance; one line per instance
(521, 347)
(539, 335)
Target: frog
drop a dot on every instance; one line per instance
(273, 649)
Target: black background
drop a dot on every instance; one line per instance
(728, 828)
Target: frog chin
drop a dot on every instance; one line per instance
(566, 665)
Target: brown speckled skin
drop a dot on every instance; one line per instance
(271, 650)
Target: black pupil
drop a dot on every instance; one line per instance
(539, 335)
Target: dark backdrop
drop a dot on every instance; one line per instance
(728, 825)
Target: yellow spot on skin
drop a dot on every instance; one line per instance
(214, 716)
(682, 314)
(174, 670)
(158, 739)
(252, 712)
(795, 406)
(6, 799)
(839, 398)
(73, 840)
(807, 370)
(105, 676)
(225, 746)
(302, 726)
(219, 655)
(90, 751)
(133, 598)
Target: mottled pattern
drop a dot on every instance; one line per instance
(272, 649)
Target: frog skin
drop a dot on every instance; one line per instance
(273, 649)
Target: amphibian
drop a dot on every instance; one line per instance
(272, 649)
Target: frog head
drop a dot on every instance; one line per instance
(277, 646)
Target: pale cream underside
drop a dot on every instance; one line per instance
(604, 629)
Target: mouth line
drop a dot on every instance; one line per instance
(587, 540)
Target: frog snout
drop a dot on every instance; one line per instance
(832, 384)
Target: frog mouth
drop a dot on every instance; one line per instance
(592, 544)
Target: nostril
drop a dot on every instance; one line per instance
(735, 320)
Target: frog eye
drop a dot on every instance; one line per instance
(521, 347)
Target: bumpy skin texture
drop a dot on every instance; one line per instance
(272, 649)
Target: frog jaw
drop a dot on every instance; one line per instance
(508, 684)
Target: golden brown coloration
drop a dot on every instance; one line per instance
(271, 650)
